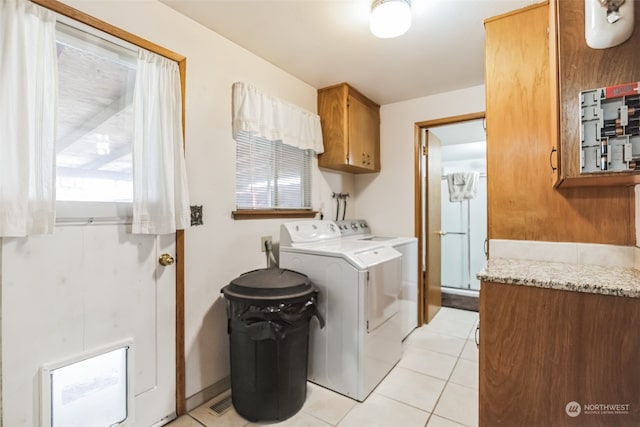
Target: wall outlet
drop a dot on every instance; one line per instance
(263, 241)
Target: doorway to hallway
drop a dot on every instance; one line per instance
(445, 242)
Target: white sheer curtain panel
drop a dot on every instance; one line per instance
(160, 193)
(271, 118)
(28, 94)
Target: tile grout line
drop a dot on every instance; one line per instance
(447, 381)
(196, 420)
(327, 422)
(443, 388)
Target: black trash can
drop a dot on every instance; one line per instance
(268, 313)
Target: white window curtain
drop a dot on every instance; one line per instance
(271, 118)
(160, 193)
(28, 93)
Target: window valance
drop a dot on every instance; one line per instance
(271, 118)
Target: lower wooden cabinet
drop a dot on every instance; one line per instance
(553, 358)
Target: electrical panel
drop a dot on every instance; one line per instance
(610, 129)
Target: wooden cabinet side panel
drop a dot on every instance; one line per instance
(522, 205)
(332, 109)
(555, 158)
(542, 348)
(583, 68)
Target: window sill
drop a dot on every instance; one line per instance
(273, 213)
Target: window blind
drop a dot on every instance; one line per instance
(271, 175)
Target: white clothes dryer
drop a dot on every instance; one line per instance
(358, 229)
(359, 286)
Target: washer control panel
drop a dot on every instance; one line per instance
(352, 227)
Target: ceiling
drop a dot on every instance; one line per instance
(324, 42)
(460, 133)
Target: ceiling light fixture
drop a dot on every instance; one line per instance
(390, 18)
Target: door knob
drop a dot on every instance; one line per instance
(166, 259)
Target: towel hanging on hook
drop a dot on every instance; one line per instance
(462, 185)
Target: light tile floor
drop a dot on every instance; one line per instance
(435, 384)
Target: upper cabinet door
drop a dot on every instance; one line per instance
(350, 130)
(364, 135)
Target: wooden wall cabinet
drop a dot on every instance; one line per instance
(350, 130)
(578, 68)
(541, 349)
(522, 131)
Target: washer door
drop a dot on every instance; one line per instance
(384, 284)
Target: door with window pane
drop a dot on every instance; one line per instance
(126, 293)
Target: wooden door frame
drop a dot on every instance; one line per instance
(70, 12)
(418, 188)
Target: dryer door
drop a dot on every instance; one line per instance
(384, 285)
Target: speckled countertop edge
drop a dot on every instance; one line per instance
(617, 281)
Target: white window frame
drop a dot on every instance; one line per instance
(82, 212)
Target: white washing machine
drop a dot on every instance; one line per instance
(360, 285)
(358, 229)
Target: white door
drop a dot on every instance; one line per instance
(139, 294)
(81, 289)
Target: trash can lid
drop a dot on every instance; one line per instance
(269, 284)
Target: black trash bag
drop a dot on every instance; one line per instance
(272, 321)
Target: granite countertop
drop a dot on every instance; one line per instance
(618, 281)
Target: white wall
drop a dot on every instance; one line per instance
(386, 199)
(222, 248)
